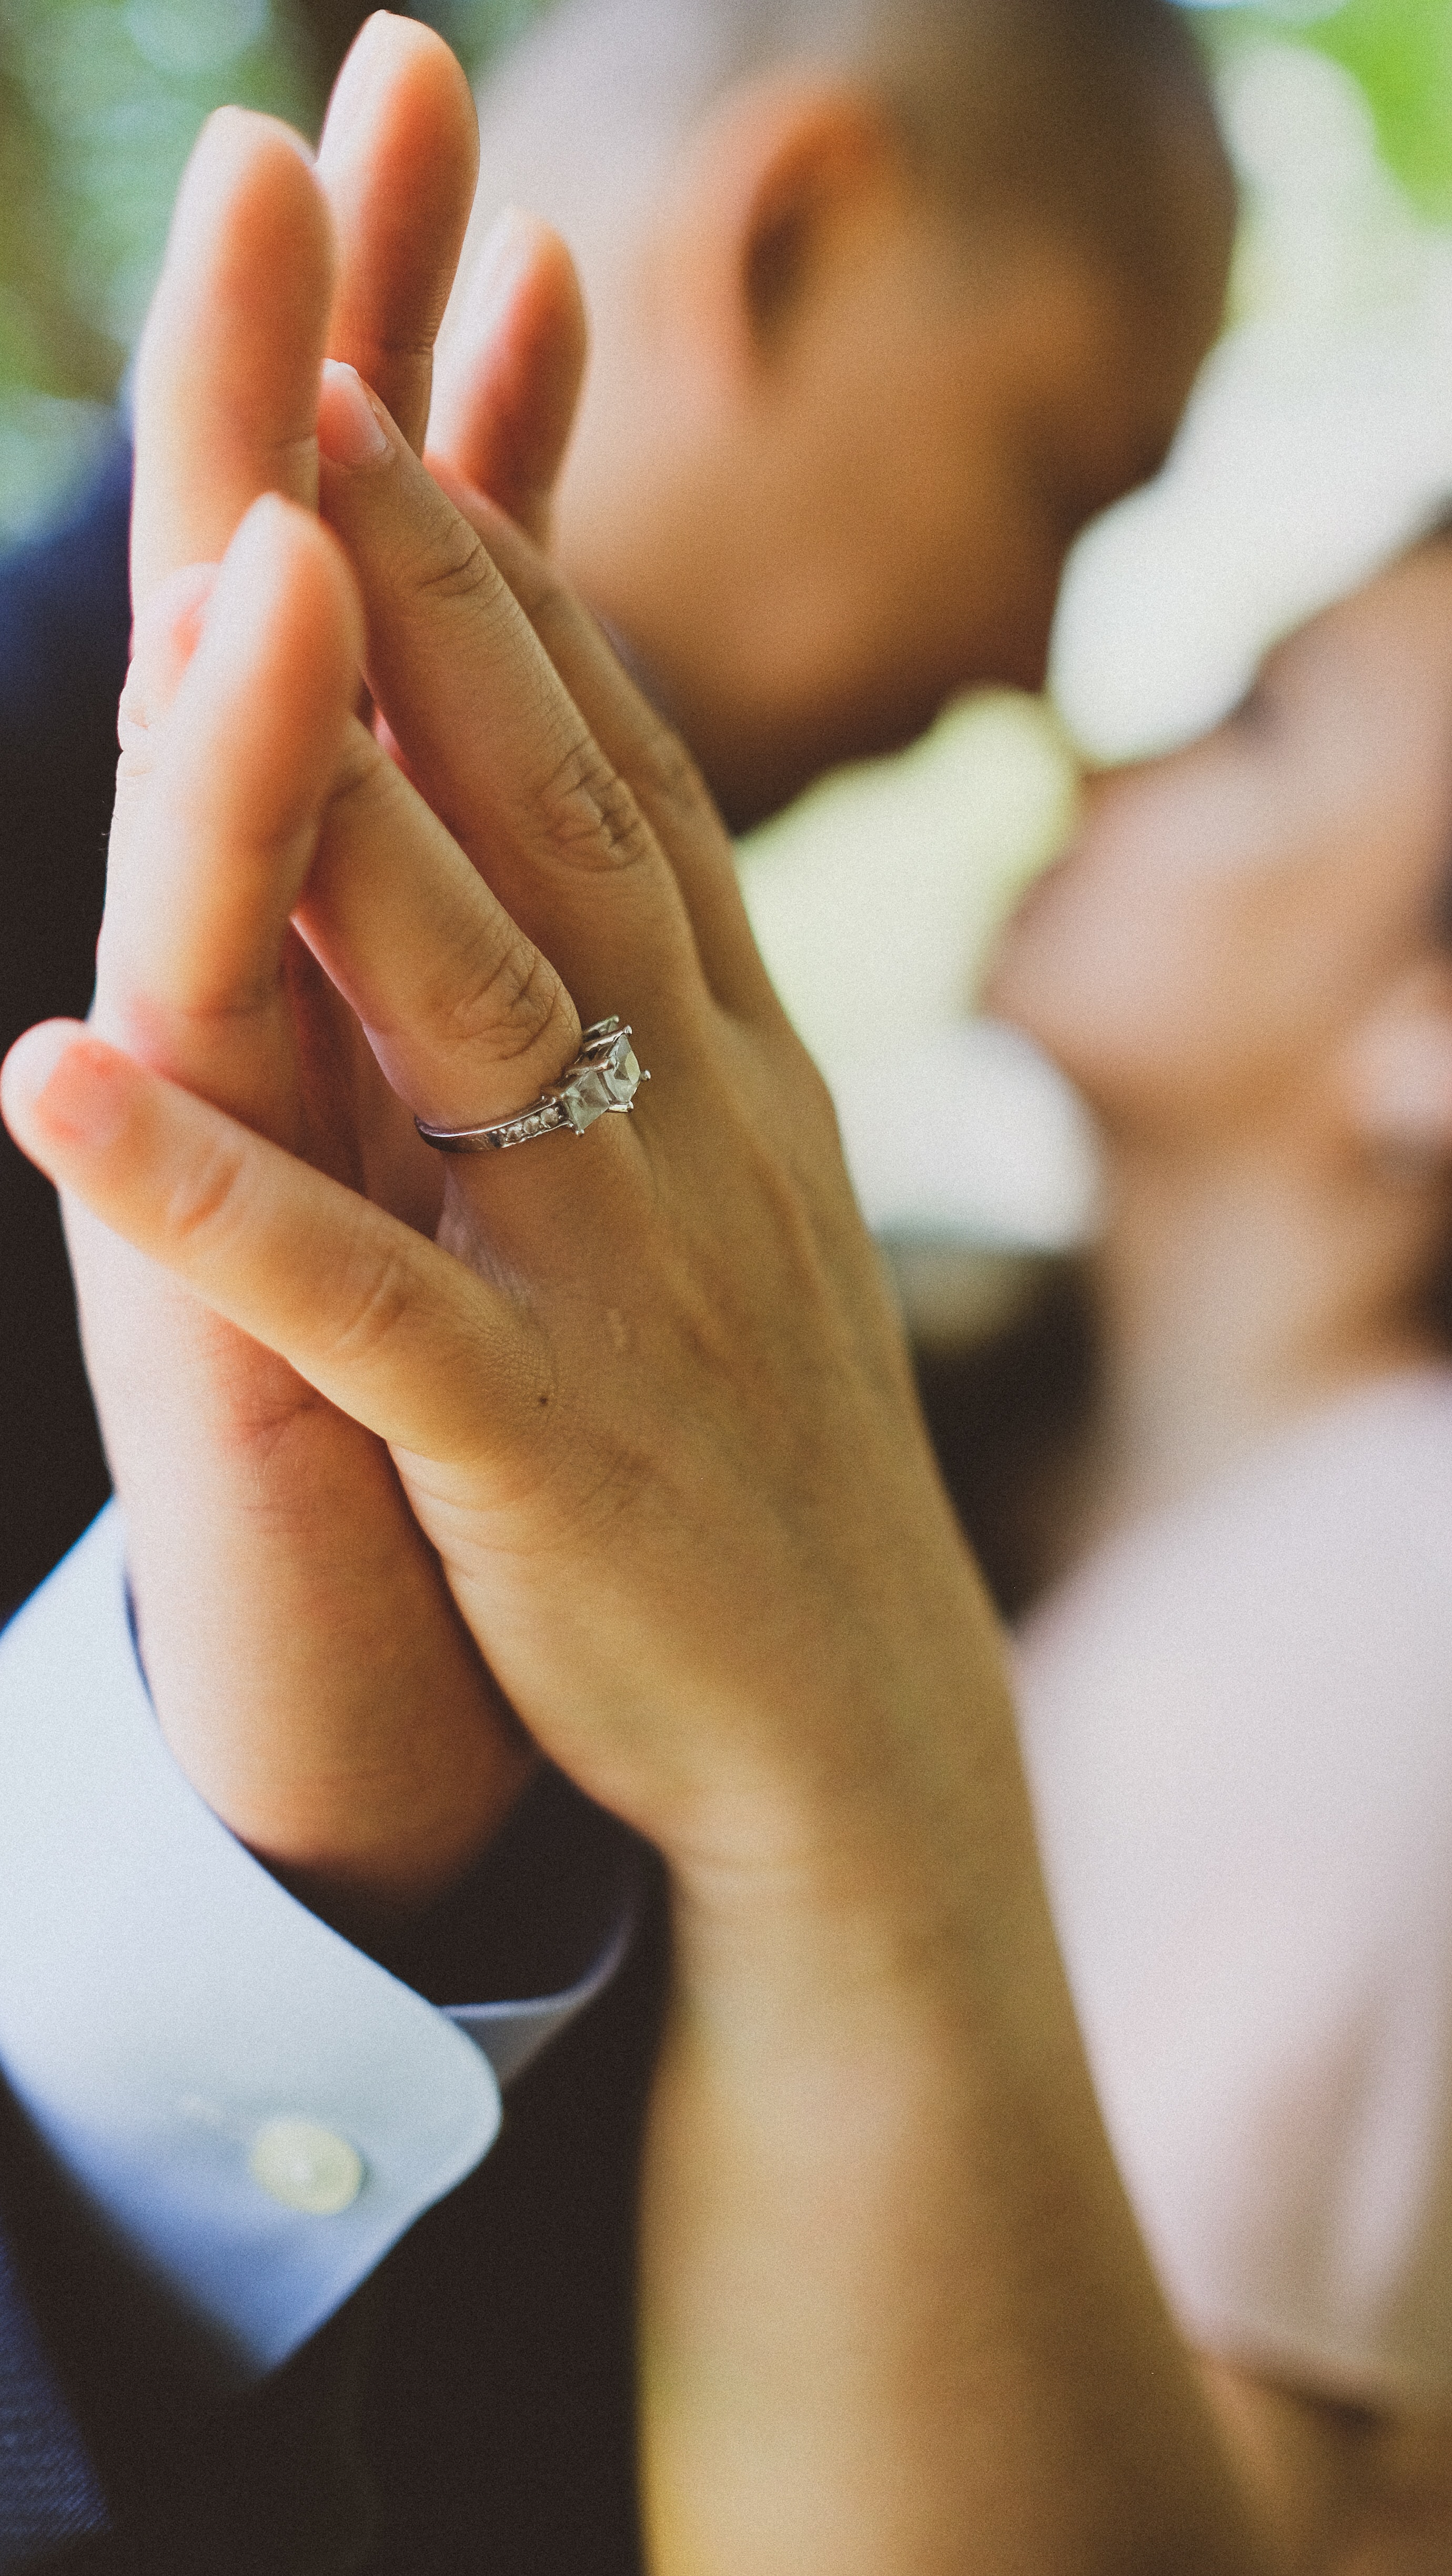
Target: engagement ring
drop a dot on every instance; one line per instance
(603, 1079)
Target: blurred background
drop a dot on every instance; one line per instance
(100, 101)
(1064, 1411)
(1339, 115)
(1341, 112)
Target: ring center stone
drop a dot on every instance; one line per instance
(610, 1084)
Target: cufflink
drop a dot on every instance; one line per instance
(306, 2167)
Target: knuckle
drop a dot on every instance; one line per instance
(590, 813)
(135, 765)
(502, 999)
(413, 347)
(456, 566)
(135, 726)
(205, 1205)
(372, 1305)
(133, 710)
(670, 777)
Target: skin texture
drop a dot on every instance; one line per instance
(870, 2015)
(303, 1579)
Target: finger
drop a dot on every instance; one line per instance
(493, 736)
(510, 365)
(397, 162)
(468, 1020)
(647, 751)
(213, 841)
(166, 636)
(226, 382)
(389, 1328)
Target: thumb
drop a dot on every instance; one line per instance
(387, 1326)
(511, 360)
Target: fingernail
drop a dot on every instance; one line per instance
(350, 424)
(74, 1085)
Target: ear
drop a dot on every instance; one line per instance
(1396, 1071)
(764, 202)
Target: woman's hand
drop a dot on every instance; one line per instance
(646, 1397)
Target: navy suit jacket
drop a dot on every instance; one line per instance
(472, 2408)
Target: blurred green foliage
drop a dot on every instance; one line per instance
(100, 101)
(1401, 53)
(477, 28)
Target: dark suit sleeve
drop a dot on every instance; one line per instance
(64, 623)
(64, 631)
(50, 2494)
(477, 2392)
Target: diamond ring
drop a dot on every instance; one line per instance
(604, 1078)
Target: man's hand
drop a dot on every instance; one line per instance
(309, 1667)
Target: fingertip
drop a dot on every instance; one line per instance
(233, 131)
(519, 268)
(60, 1086)
(226, 378)
(511, 363)
(256, 717)
(400, 139)
(282, 557)
(353, 428)
(398, 160)
(527, 236)
(240, 152)
(389, 50)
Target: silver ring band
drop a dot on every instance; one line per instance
(602, 1082)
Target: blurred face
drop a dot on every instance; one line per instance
(808, 554)
(838, 426)
(1226, 916)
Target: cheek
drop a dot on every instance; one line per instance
(1072, 971)
(953, 570)
(1131, 972)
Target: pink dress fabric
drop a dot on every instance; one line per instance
(1237, 1722)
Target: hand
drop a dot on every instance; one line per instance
(646, 1398)
(649, 1406)
(308, 1665)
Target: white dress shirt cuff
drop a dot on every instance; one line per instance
(253, 2109)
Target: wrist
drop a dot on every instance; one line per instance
(900, 1899)
(327, 1705)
